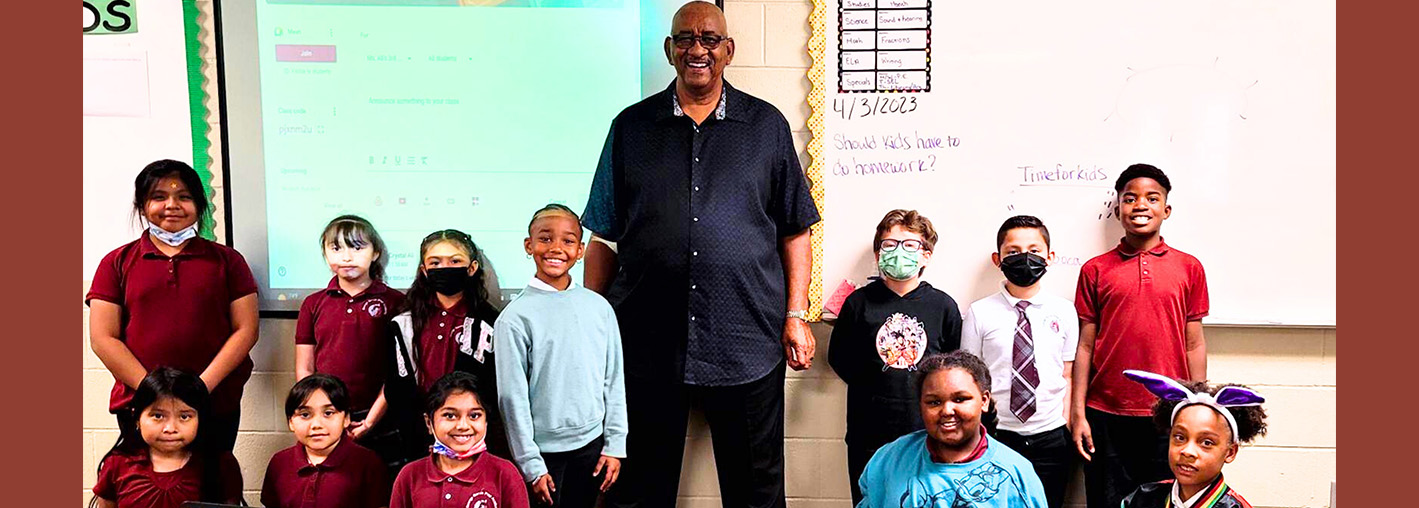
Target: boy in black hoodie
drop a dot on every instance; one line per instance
(882, 331)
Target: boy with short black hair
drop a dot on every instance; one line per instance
(1028, 339)
(1140, 307)
(883, 331)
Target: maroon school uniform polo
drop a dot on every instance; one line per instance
(352, 476)
(438, 351)
(349, 334)
(491, 482)
(130, 481)
(176, 310)
(1141, 303)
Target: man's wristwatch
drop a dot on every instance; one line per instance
(801, 315)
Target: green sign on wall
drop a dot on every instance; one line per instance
(110, 17)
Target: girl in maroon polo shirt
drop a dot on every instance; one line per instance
(342, 329)
(323, 469)
(161, 459)
(446, 325)
(173, 298)
(458, 470)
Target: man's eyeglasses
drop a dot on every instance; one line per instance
(890, 245)
(685, 41)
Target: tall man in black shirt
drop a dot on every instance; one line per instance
(700, 213)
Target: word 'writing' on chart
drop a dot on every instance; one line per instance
(851, 166)
(1059, 174)
(861, 107)
(894, 141)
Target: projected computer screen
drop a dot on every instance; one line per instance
(421, 116)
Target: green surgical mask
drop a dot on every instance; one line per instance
(899, 264)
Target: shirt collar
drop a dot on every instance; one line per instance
(979, 450)
(332, 461)
(1196, 499)
(1127, 251)
(467, 476)
(195, 247)
(1010, 299)
(537, 283)
(376, 288)
(721, 112)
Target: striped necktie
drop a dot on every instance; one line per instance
(1024, 378)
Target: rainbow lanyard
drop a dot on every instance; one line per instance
(1219, 490)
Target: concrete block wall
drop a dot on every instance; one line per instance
(1293, 367)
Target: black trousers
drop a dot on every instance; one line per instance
(571, 473)
(1128, 451)
(746, 424)
(1051, 452)
(858, 453)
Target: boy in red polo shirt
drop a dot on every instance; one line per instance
(1140, 306)
(323, 469)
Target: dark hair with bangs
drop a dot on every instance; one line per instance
(156, 171)
(333, 387)
(353, 231)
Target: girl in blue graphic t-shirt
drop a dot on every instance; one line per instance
(952, 462)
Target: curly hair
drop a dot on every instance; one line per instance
(1251, 420)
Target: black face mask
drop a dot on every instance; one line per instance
(448, 281)
(1023, 269)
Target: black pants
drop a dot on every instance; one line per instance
(1128, 451)
(1051, 452)
(858, 453)
(571, 473)
(746, 424)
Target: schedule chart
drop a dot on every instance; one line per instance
(884, 45)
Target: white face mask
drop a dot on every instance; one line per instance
(171, 238)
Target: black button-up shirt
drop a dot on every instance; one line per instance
(697, 213)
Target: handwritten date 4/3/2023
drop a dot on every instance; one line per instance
(860, 107)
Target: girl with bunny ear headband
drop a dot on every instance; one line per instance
(1195, 416)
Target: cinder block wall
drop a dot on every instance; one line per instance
(1293, 367)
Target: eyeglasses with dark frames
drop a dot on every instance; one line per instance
(687, 41)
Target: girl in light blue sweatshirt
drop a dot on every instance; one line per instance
(559, 371)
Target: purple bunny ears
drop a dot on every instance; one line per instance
(1168, 389)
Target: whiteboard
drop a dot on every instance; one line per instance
(971, 112)
(136, 111)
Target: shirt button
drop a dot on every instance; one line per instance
(1145, 272)
(697, 188)
(449, 479)
(445, 313)
(448, 496)
(352, 300)
(697, 159)
(440, 325)
(440, 337)
(348, 311)
(694, 286)
(695, 253)
(697, 219)
(692, 318)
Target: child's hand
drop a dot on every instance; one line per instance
(542, 489)
(1083, 438)
(612, 465)
(357, 429)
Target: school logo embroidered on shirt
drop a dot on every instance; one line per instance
(482, 500)
(1053, 322)
(901, 342)
(375, 308)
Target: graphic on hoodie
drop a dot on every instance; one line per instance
(980, 486)
(901, 342)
